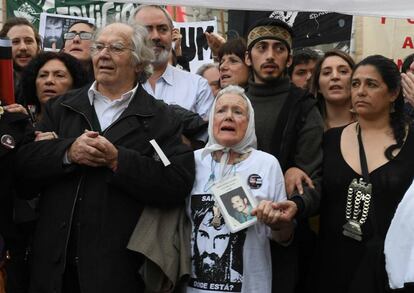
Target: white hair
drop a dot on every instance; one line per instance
(142, 53)
(248, 142)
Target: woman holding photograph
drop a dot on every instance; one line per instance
(235, 262)
(368, 166)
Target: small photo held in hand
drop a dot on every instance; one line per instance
(235, 203)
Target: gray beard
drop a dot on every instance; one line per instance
(161, 58)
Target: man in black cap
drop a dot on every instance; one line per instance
(289, 126)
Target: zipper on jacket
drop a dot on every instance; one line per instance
(79, 112)
(116, 122)
(71, 220)
(76, 196)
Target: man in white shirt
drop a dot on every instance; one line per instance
(168, 83)
(103, 170)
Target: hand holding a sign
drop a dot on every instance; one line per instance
(214, 41)
(176, 38)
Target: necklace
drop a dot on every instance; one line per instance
(214, 159)
(359, 197)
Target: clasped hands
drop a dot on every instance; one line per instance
(277, 215)
(94, 150)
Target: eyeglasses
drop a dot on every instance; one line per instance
(116, 48)
(82, 35)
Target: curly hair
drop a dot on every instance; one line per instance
(29, 74)
(392, 78)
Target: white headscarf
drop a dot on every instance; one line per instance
(398, 244)
(249, 141)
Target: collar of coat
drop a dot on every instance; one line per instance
(142, 103)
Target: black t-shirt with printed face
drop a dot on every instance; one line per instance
(217, 253)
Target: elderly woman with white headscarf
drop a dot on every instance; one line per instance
(224, 261)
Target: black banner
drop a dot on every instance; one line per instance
(310, 28)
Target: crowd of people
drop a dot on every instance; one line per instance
(113, 157)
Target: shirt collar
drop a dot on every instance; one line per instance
(168, 75)
(94, 93)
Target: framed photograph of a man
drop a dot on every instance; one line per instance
(235, 202)
(53, 26)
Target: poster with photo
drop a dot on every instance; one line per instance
(235, 202)
(53, 26)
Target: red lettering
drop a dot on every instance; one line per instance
(399, 63)
(408, 42)
(410, 21)
(383, 20)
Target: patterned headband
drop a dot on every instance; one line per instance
(269, 32)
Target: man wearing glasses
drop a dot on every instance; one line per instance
(97, 177)
(78, 41)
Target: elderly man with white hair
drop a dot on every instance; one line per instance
(118, 150)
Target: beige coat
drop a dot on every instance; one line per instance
(163, 236)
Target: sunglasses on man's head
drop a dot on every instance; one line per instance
(82, 35)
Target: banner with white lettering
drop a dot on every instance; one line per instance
(102, 11)
(309, 28)
(395, 8)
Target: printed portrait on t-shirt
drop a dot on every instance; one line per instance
(217, 253)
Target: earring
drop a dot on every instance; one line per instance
(352, 110)
(392, 108)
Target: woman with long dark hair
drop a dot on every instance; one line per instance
(368, 166)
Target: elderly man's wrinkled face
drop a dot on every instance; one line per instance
(230, 119)
(112, 58)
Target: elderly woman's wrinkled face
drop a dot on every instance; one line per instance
(53, 79)
(230, 119)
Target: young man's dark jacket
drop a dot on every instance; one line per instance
(111, 202)
(296, 142)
